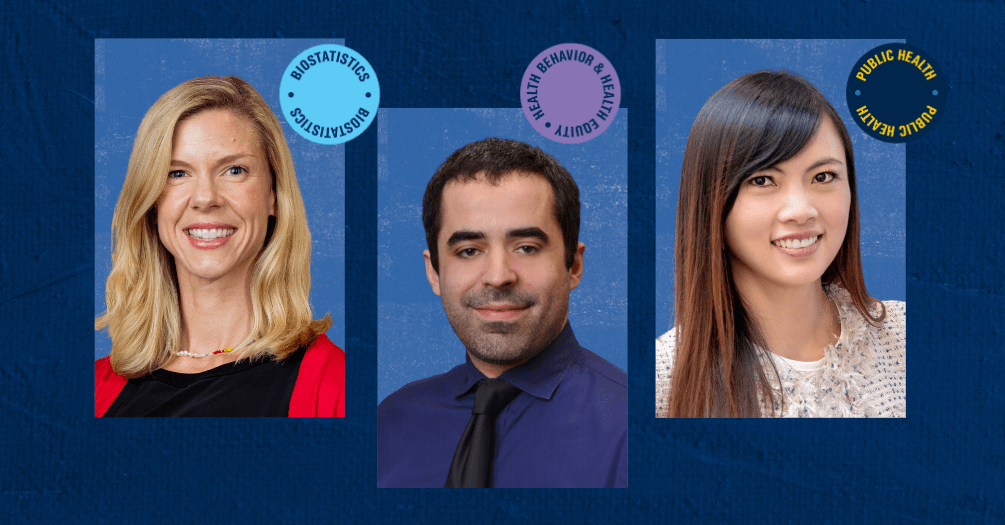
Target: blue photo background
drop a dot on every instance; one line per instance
(690, 71)
(131, 74)
(414, 339)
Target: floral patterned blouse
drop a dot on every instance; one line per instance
(862, 375)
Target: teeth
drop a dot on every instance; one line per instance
(796, 243)
(204, 234)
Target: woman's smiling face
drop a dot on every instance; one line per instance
(213, 214)
(789, 221)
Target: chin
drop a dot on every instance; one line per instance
(799, 279)
(500, 349)
(208, 272)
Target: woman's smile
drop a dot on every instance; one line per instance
(209, 236)
(798, 245)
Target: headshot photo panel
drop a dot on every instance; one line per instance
(502, 303)
(780, 233)
(223, 291)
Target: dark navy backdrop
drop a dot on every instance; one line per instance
(414, 339)
(942, 464)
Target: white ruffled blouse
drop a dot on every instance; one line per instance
(862, 375)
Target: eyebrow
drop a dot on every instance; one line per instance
(464, 235)
(532, 232)
(228, 158)
(824, 162)
(467, 235)
(815, 165)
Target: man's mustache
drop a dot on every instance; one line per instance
(519, 299)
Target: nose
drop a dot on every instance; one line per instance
(798, 206)
(499, 272)
(205, 192)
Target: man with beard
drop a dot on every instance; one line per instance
(529, 407)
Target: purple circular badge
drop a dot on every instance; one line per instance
(570, 93)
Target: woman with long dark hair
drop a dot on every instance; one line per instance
(772, 317)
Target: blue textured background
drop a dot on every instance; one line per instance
(414, 339)
(944, 463)
(689, 71)
(131, 74)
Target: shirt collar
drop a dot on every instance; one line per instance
(538, 377)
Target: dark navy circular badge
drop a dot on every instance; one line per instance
(329, 94)
(896, 93)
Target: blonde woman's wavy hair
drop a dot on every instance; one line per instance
(143, 315)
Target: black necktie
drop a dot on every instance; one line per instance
(472, 464)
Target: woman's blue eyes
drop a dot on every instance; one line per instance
(233, 170)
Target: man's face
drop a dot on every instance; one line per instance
(502, 276)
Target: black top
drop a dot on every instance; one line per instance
(256, 388)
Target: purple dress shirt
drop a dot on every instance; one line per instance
(567, 428)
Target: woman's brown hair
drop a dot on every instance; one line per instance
(751, 124)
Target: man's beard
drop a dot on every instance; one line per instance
(505, 342)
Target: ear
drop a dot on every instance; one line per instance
(576, 271)
(272, 203)
(431, 274)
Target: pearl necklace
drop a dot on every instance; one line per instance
(185, 353)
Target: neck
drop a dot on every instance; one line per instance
(493, 370)
(797, 322)
(215, 315)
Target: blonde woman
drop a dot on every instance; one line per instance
(207, 299)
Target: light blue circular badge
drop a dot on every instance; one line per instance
(329, 94)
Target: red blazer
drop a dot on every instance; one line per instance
(318, 392)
